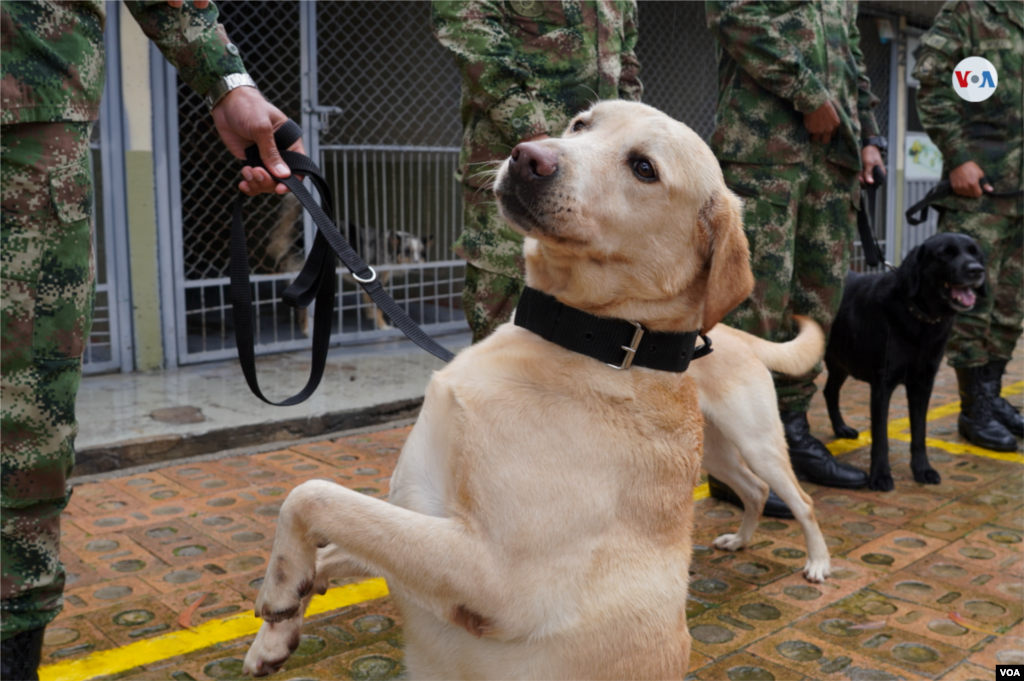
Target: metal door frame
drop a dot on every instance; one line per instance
(115, 212)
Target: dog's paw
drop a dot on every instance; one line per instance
(281, 595)
(817, 571)
(274, 644)
(846, 432)
(729, 542)
(881, 482)
(927, 476)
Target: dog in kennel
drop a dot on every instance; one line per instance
(391, 247)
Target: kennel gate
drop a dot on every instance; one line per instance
(387, 139)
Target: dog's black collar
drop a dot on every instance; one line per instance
(616, 342)
(920, 316)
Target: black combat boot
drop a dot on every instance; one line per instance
(773, 508)
(977, 423)
(811, 459)
(1004, 411)
(20, 654)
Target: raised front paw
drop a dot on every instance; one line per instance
(282, 590)
(273, 646)
(881, 482)
(846, 432)
(926, 476)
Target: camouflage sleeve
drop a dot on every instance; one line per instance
(938, 105)
(745, 30)
(496, 81)
(630, 86)
(866, 100)
(190, 38)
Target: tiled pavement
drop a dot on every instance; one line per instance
(928, 581)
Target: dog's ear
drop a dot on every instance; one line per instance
(428, 241)
(394, 242)
(730, 279)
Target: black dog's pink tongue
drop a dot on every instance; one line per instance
(963, 295)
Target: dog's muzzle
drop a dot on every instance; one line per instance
(523, 188)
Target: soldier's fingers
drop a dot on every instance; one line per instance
(268, 152)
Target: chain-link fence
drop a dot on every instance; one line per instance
(389, 153)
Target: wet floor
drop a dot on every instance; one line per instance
(927, 581)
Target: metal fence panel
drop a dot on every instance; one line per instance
(396, 182)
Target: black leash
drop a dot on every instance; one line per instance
(918, 213)
(316, 280)
(865, 220)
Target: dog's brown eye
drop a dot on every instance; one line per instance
(578, 125)
(643, 169)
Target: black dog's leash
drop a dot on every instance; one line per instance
(918, 213)
(865, 220)
(317, 278)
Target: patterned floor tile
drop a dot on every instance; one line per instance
(816, 658)
(846, 579)
(745, 667)
(895, 550)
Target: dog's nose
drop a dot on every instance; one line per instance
(532, 161)
(975, 269)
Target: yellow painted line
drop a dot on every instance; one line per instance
(843, 446)
(701, 492)
(205, 635)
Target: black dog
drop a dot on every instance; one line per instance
(892, 328)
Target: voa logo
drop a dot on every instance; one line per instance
(975, 79)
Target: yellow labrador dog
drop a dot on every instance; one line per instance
(744, 443)
(541, 510)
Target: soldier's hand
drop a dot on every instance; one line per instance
(966, 179)
(244, 117)
(822, 122)
(871, 157)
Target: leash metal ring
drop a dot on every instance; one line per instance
(372, 277)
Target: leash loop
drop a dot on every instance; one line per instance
(316, 281)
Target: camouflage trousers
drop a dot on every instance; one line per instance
(799, 220)
(46, 187)
(989, 331)
(494, 273)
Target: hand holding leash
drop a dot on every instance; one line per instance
(316, 280)
(918, 213)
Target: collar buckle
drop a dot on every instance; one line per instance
(631, 348)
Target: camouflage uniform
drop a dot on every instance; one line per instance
(52, 63)
(990, 133)
(527, 68)
(776, 62)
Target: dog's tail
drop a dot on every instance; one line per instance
(795, 357)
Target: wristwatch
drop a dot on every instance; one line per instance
(225, 85)
(876, 141)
